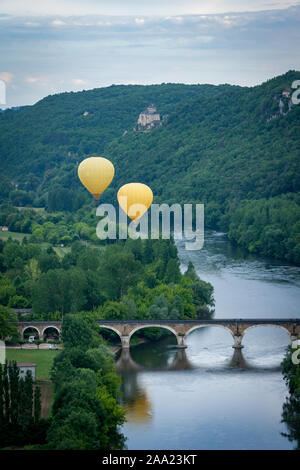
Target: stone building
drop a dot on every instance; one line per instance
(149, 118)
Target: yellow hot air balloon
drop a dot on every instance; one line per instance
(135, 199)
(96, 173)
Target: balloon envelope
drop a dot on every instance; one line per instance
(135, 199)
(96, 173)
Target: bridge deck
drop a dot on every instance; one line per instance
(260, 321)
(257, 321)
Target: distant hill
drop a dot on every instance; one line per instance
(234, 148)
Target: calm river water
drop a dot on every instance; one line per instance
(208, 396)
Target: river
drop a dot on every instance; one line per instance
(208, 396)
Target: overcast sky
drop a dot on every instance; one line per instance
(52, 46)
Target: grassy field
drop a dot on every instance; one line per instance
(42, 358)
(62, 251)
(14, 235)
(40, 210)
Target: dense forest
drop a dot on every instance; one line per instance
(135, 279)
(235, 149)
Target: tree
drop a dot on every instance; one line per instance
(76, 333)
(7, 290)
(27, 401)
(191, 272)
(14, 378)
(18, 425)
(172, 274)
(78, 431)
(37, 404)
(59, 290)
(32, 270)
(85, 413)
(159, 310)
(113, 310)
(8, 323)
(119, 271)
(148, 254)
(6, 394)
(1, 397)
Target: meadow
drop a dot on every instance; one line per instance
(42, 358)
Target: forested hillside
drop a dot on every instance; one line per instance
(236, 149)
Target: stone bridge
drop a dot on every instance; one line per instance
(180, 328)
(39, 326)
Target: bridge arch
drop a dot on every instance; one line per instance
(197, 327)
(51, 326)
(154, 325)
(283, 327)
(108, 327)
(33, 328)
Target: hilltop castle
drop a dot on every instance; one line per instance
(148, 119)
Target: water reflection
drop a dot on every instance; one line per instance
(134, 399)
(172, 360)
(238, 361)
(178, 360)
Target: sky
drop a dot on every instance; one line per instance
(52, 46)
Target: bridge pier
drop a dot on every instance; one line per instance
(237, 341)
(125, 340)
(181, 341)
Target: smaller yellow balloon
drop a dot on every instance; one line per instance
(135, 199)
(96, 173)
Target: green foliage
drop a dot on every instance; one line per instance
(59, 290)
(8, 323)
(119, 271)
(75, 332)
(291, 407)
(20, 409)
(269, 226)
(85, 411)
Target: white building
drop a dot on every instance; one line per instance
(24, 367)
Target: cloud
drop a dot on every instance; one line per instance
(6, 76)
(78, 81)
(139, 21)
(175, 19)
(137, 8)
(58, 23)
(32, 24)
(31, 79)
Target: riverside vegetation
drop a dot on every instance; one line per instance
(291, 407)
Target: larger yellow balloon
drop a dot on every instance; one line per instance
(135, 199)
(96, 173)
